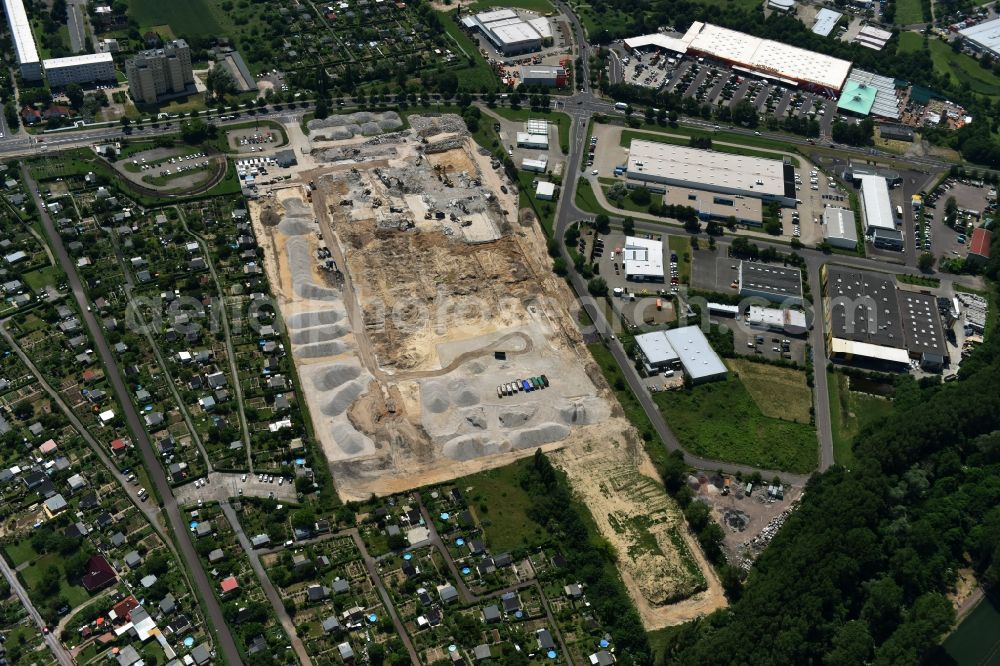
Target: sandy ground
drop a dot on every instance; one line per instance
(399, 400)
(629, 493)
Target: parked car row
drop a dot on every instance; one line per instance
(525, 385)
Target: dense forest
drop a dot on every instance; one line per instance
(859, 573)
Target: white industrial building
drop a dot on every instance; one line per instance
(538, 165)
(763, 57)
(686, 346)
(642, 259)
(875, 202)
(651, 163)
(86, 68)
(24, 42)
(873, 38)
(532, 140)
(699, 360)
(839, 229)
(543, 75)
(657, 40)
(791, 322)
(826, 21)
(545, 190)
(984, 37)
(508, 32)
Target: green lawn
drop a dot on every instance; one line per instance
(908, 12)
(39, 278)
(682, 246)
(32, 575)
(629, 205)
(185, 17)
(720, 420)
(779, 392)
(546, 210)
(502, 508)
(478, 77)
(561, 119)
(849, 412)
(585, 198)
(20, 552)
(909, 41)
(963, 69)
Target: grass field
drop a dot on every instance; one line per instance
(37, 279)
(961, 67)
(20, 552)
(849, 412)
(479, 76)
(185, 17)
(721, 420)
(908, 12)
(779, 392)
(502, 507)
(585, 198)
(73, 594)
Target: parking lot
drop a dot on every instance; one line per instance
(644, 309)
(252, 140)
(971, 199)
(219, 486)
(769, 344)
(713, 83)
(711, 272)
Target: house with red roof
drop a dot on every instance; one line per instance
(229, 585)
(118, 446)
(979, 246)
(99, 574)
(123, 609)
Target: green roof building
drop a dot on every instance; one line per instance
(857, 98)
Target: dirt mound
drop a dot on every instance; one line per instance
(476, 418)
(515, 418)
(462, 395)
(350, 441)
(314, 318)
(343, 397)
(306, 336)
(320, 349)
(349, 125)
(295, 226)
(583, 412)
(542, 434)
(470, 447)
(336, 376)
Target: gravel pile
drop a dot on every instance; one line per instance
(347, 126)
(540, 434)
(336, 376)
(314, 318)
(430, 125)
(307, 336)
(320, 349)
(343, 398)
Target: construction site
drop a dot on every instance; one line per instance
(411, 292)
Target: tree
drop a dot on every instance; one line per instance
(628, 226)
(220, 82)
(602, 223)
(194, 131)
(640, 196)
(925, 261)
(75, 94)
(597, 286)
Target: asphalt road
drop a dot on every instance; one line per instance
(60, 653)
(76, 22)
(223, 638)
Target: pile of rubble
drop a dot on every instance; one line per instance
(751, 549)
(426, 126)
(347, 126)
(444, 145)
(358, 153)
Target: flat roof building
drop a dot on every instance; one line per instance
(25, 48)
(839, 229)
(983, 37)
(766, 58)
(87, 68)
(792, 322)
(716, 206)
(656, 351)
(529, 140)
(650, 163)
(876, 210)
(657, 40)
(857, 98)
(872, 37)
(543, 75)
(826, 21)
(642, 259)
(886, 103)
(774, 283)
(545, 190)
(506, 31)
(700, 361)
(869, 317)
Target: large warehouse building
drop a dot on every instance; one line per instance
(86, 68)
(870, 320)
(543, 75)
(687, 346)
(653, 164)
(24, 42)
(984, 37)
(508, 32)
(773, 283)
(772, 60)
(642, 259)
